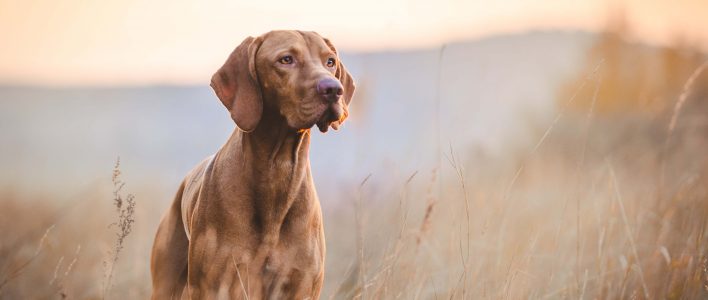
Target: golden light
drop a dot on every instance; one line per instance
(181, 42)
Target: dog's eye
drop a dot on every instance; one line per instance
(330, 62)
(286, 60)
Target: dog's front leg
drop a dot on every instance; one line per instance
(210, 269)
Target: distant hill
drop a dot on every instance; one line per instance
(488, 92)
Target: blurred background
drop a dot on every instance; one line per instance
(516, 149)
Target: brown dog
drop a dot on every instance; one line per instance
(246, 223)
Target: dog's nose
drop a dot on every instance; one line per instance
(330, 88)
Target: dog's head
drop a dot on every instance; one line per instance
(295, 74)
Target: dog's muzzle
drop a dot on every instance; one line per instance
(331, 90)
(333, 113)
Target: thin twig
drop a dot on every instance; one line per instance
(17, 272)
(627, 228)
(360, 237)
(56, 270)
(683, 97)
(238, 273)
(548, 130)
(125, 207)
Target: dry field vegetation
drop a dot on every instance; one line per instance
(611, 202)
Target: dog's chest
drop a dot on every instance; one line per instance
(284, 272)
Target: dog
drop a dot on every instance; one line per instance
(246, 223)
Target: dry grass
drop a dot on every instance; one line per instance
(59, 267)
(621, 241)
(125, 208)
(632, 234)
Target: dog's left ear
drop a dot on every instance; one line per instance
(347, 83)
(237, 86)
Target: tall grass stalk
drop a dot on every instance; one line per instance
(125, 208)
(20, 269)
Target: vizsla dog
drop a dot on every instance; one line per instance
(246, 222)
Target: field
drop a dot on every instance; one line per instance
(605, 202)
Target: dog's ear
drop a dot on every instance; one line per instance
(236, 84)
(347, 83)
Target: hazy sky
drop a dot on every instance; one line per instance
(74, 42)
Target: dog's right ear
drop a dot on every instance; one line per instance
(236, 84)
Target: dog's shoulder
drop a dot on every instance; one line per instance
(195, 175)
(193, 183)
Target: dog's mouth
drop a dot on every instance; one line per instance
(331, 116)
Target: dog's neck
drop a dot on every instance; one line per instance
(276, 159)
(274, 142)
(272, 149)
